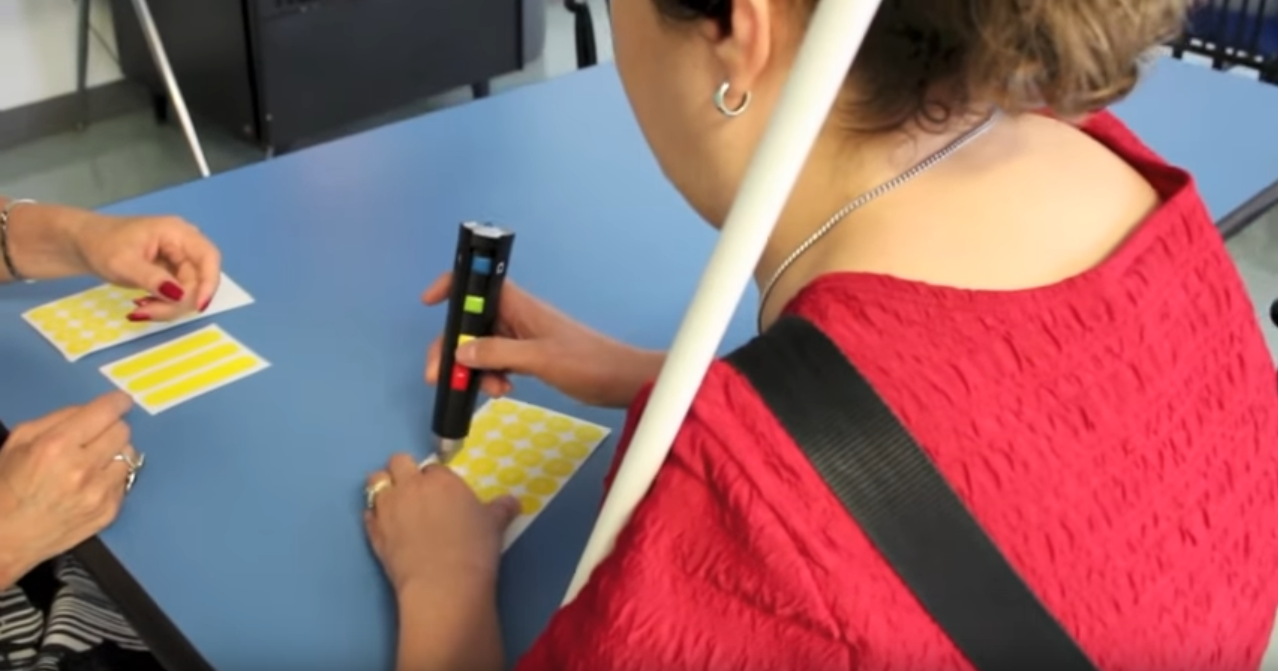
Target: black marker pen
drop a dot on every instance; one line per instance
(483, 257)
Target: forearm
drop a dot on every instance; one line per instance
(642, 367)
(41, 241)
(458, 631)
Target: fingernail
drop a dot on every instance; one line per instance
(465, 354)
(171, 291)
(205, 305)
(138, 316)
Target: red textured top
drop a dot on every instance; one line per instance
(1115, 433)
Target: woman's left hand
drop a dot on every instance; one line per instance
(432, 533)
(163, 255)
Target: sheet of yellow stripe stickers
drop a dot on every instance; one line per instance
(182, 369)
(526, 451)
(97, 318)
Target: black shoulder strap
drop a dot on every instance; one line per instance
(903, 503)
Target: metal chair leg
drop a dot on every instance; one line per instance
(161, 58)
(584, 30)
(82, 63)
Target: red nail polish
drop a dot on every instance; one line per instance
(205, 305)
(171, 291)
(137, 316)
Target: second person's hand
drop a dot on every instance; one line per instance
(164, 255)
(62, 480)
(534, 339)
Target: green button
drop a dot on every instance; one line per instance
(475, 305)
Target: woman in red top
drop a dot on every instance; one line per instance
(1048, 309)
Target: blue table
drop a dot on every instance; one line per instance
(1221, 127)
(246, 527)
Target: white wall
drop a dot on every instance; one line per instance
(38, 49)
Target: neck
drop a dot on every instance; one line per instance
(838, 171)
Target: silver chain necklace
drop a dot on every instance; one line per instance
(860, 201)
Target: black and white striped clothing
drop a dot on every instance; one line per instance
(76, 620)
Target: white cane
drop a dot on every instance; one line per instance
(833, 38)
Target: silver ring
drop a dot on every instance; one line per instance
(133, 466)
(371, 492)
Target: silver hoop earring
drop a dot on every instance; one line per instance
(721, 102)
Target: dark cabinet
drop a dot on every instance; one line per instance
(278, 71)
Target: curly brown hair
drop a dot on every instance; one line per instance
(932, 60)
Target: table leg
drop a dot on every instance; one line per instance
(82, 64)
(161, 58)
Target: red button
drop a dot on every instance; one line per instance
(461, 378)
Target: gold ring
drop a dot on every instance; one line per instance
(371, 492)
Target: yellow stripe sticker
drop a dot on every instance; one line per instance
(164, 353)
(173, 371)
(219, 373)
(178, 371)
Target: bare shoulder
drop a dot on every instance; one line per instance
(1036, 202)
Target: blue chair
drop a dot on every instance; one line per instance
(1234, 33)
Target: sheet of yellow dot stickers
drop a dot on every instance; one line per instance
(181, 369)
(96, 319)
(526, 451)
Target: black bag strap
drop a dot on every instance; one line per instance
(903, 503)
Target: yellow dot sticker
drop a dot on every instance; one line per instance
(483, 466)
(574, 450)
(98, 318)
(526, 451)
(559, 424)
(560, 468)
(588, 432)
(489, 493)
(503, 406)
(544, 441)
(542, 486)
(511, 476)
(531, 414)
(529, 505)
(499, 448)
(528, 458)
(516, 430)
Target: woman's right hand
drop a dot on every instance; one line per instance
(61, 481)
(534, 339)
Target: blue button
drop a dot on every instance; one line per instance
(481, 264)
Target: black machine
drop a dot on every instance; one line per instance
(277, 72)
